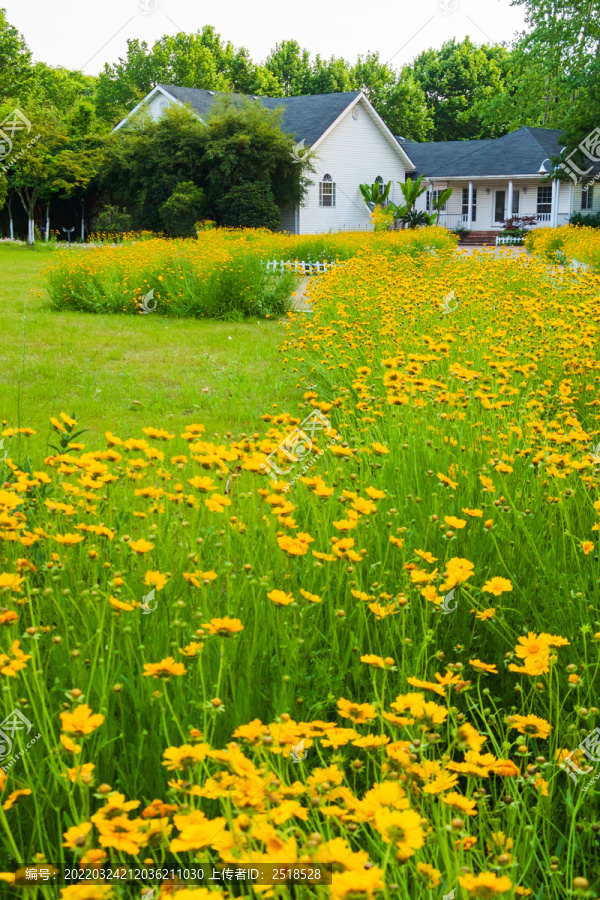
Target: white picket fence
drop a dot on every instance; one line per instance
(504, 239)
(300, 266)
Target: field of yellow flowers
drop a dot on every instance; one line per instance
(382, 659)
(567, 243)
(221, 275)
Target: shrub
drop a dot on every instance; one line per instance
(590, 221)
(182, 210)
(249, 206)
(112, 221)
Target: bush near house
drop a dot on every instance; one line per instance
(592, 220)
(241, 145)
(183, 208)
(249, 206)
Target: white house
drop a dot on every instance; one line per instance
(351, 143)
(492, 180)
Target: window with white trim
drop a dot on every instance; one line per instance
(587, 197)
(544, 200)
(327, 191)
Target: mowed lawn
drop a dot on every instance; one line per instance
(119, 374)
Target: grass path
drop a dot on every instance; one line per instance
(115, 372)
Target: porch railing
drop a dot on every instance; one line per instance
(453, 220)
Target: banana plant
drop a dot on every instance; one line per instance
(416, 217)
(398, 212)
(440, 202)
(412, 190)
(371, 194)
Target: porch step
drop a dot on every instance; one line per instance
(478, 237)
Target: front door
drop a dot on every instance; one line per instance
(500, 207)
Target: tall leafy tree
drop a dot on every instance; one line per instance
(78, 162)
(59, 88)
(373, 77)
(291, 65)
(32, 163)
(200, 60)
(563, 46)
(15, 60)
(241, 144)
(330, 76)
(244, 143)
(458, 81)
(242, 74)
(403, 107)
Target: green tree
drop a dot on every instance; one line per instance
(562, 48)
(292, 67)
(249, 206)
(373, 78)
(144, 163)
(331, 76)
(242, 75)
(403, 107)
(458, 81)
(241, 143)
(182, 210)
(60, 88)
(32, 165)
(200, 60)
(15, 60)
(244, 143)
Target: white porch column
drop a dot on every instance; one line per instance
(470, 213)
(555, 197)
(509, 201)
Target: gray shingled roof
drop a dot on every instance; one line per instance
(307, 118)
(519, 153)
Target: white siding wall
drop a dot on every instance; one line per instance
(156, 106)
(576, 188)
(355, 152)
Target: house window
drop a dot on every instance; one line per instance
(516, 202)
(430, 197)
(327, 191)
(544, 200)
(465, 205)
(381, 186)
(587, 197)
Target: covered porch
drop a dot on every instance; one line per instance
(485, 204)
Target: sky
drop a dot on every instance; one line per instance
(83, 34)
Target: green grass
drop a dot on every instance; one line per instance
(118, 373)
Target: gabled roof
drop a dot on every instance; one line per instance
(305, 117)
(521, 152)
(309, 118)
